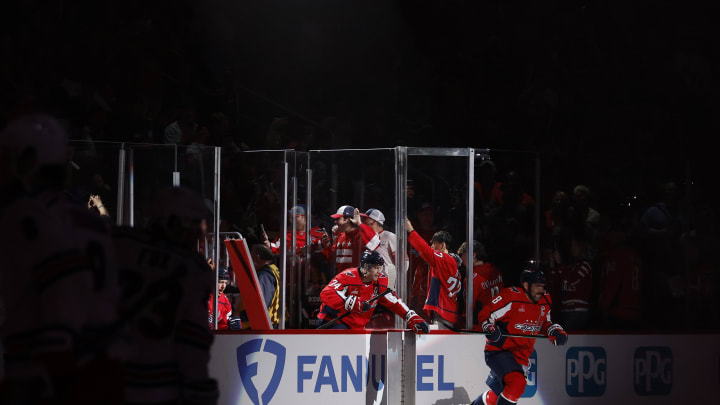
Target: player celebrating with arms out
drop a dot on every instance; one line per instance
(350, 298)
(524, 311)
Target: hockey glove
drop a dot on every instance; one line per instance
(415, 322)
(352, 303)
(557, 335)
(492, 333)
(235, 323)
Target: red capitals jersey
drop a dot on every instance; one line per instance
(445, 279)
(223, 313)
(349, 283)
(514, 313)
(576, 287)
(349, 246)
(316, 236)
(620, 284)
(487, 283)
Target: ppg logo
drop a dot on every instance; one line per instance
(586, 371)
(531, 386)
(249, 370)
(653, 370)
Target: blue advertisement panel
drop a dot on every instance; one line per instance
(653, 370)
(585, 371)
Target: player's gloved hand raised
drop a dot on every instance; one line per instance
(415, 322)
(235, 323)
(492, 332)
(557, 335)
(352, 303)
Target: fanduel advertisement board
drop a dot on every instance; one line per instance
(349, 369)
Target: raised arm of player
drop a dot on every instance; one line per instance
(426, 252)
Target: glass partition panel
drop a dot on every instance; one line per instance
(363, 179)
(506, 210)
(256, 194)
(148, 168)
(196, 171)
(437, 200)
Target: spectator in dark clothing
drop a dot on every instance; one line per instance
(269, 280)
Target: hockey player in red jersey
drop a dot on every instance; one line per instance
(353, 238)
(487, 280)
(224, 307)
(354, 291)
(445, 280)
(521, 310)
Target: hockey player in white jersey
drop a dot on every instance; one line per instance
(165, 286)
(47, 282)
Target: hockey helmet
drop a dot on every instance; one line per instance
(532, 273)
(368, 259)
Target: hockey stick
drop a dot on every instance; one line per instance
(334, 321)
(486, 334)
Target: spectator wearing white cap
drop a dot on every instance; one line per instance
(353, 238)
(375, 219)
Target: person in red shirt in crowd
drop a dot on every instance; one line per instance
(523, 310)
(487, 280)
(621, 280)
(419, 269)
(558, 216)
(225, 321)
(353, 238)
(576, 287)
(445, 279)
(489, 194)
(318, 238)
(353, 294)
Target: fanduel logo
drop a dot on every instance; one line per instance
(248, 371)
(531, 386)
(653, 370)
(585, 373)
